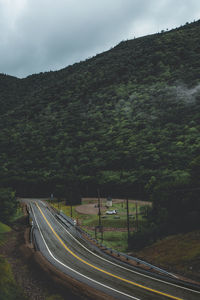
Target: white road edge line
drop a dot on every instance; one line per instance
(141, 274)
(77, 271)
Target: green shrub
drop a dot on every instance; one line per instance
(8, 287)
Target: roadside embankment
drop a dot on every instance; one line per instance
(178, 253)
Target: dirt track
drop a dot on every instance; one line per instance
(89, 207)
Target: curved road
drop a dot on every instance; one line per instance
(64, 248)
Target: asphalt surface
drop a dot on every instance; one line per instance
(63, 247)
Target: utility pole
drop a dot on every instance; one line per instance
(58, 202)
(99, 212)
(136, 206)
(99, 227)
(127, 211)
(71, 210)
(71, 195)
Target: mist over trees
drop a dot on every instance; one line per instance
(125, 121)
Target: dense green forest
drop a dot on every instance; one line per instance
(126, 121)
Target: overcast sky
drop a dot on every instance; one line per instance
(43, 35)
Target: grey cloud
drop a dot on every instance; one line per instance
(39, 35)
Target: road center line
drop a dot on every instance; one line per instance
(101, 270)
(90, 279)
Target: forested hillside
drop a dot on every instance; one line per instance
(126, 121)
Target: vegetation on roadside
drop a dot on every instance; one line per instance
(8, 287)
(18, 214)
(176, 209)
(114, 239)
(179, 253)
(9, 212)
(3, 229)
(9, 205)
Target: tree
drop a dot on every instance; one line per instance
(8, 204)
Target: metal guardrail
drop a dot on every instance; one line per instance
(31, 223)
(139, 261)
(127, 257)
(63, 220)
(68, 219)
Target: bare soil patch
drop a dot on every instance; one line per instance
(89, 205)
(88, 209)
(103, 200)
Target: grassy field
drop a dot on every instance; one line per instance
(113, 239)
(115, 234)
(117, 221)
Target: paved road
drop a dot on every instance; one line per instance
(64, 248)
